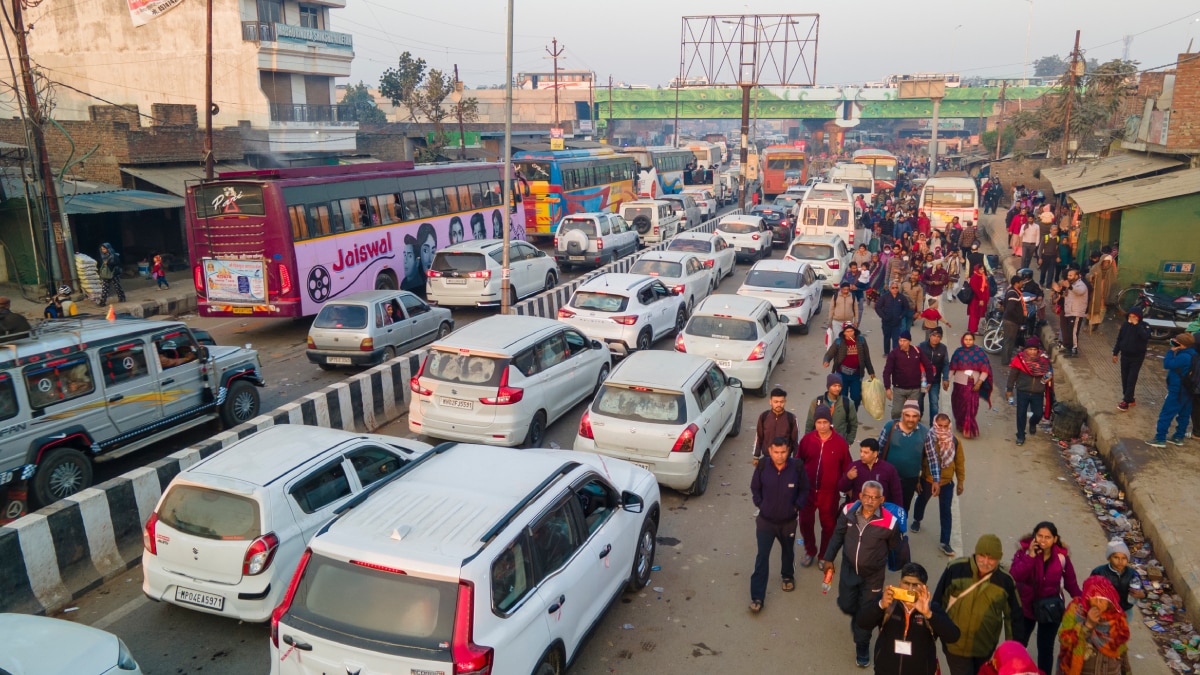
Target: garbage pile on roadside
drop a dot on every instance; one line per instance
(1162, 609)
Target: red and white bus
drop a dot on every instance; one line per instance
(282, 242)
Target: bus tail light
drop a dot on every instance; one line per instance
(976, 215)
(851, 242)
(367, 345)
(285, 280)
(198, 277)
(687, 439)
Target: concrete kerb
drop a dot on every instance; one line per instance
(1184, 573)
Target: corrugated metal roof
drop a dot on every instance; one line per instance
(174, 178)
(1141, 191)
(119, 202)
(1108, 170)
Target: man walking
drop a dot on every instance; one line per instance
(981, 598)
(908, 630)
(850, 359)
(843, 308)
(779, 489)
(867, 532)
(826, 458)
(902, 374)
(1132, 342)
(905, 443)
(1013, 316)
(939, 359)
(892, 307)
(841, 409)
(1029, 374)
(1048, 257)
(969, 236)
(775, 423)
(1178, 405)
(869, 467)
(1075, 303)
(915, 293)
(1031, 234)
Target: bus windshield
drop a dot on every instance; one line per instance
(950, 199)
(785, 163)
(534, 170)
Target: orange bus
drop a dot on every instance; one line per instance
(783, 166)
(883, 166)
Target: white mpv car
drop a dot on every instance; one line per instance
(228, 531)
(744, 335)
(504, 379)
(627, 312)
(790, 285)
(666, 412)
(476, 560)
(684, 273)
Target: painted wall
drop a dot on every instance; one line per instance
(20, 259)
(1158, 232)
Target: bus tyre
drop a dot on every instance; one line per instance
(241, 404)
(62, 472)
(386, 281)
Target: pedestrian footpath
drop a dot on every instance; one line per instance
(143, 299)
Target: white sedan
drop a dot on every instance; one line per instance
(683, 273)
(39, 644)
(705, 200)
(790, 285)
(711, 249)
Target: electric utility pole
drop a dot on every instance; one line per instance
(1000, 118)
(609, 130)
(1072, 75)
(208, 99)
(554, 54)
(462, 135)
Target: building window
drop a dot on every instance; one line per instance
(310, 16)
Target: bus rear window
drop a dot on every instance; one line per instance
(233, 199)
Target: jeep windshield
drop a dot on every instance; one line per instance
(634, 212)
(657, 268)
(584, 225)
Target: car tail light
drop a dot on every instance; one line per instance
(627, 320)
(260, 554)
(286, 603)
(481, 274)
(679, 289)
(833, 264)
(198, 279)
(469, 658)
(505, 395)
(760, 352)
(285, 280)
(851, 236)
(687, 439)
(556, 242)
(311, 344)
(679, 346)
(709, 263)
(432, 274)
(148, 541)
(585, 425)
(415, 383)
(565, 313)
(755, 237)
(368, 344)
(655, 229)
(976, 215)
(798, 302)
(599, 244)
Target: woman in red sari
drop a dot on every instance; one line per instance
(971, 373)
(980, 296)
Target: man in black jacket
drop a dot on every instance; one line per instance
(779, 489)
(908, 631)
(1014, 316)
(1130, 349)
(892, 307)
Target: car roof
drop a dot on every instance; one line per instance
(54, 645)
(831, 239)
(612, 282)
(740, 218)
(732, 305)
(657, 369)
(668, 256)
(474, 245)
(704, 236)
(780, 265)
(67, 335)
(437, 515)
(365, 297)
(498, 333)
(272, 453)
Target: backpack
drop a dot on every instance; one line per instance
(902, 555)
(1191, 381)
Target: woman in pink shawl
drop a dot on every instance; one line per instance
(971, 373)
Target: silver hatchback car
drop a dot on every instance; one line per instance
(369, 327)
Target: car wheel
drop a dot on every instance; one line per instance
(443, 330)
(600, 380)
(803, 328)
(512, 295)
(737, 422)
(643, 557)
(389, 353)
(62, 472)
(551, 280)
(680, 320)
(241, 404)
(537, 431)
(701, 485)
(551, 664)
(644, 341)
(326, 366)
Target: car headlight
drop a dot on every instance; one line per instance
(124, 658)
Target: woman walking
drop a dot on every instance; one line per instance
(980, 296)
(971, 373)
(1094, 636)
(1042, 569)
(108, 267)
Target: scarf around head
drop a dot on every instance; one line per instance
(1110, 637)
(943, 441)
(974, 358)
(1037, 367)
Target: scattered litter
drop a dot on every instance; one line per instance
(70, 609)
(656, 568)
(657, 589)
(627, 626)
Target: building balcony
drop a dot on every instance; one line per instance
(262, 31)
(296, 49)
(321, 115)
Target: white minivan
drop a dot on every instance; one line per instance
(943, 198)
(828, 209)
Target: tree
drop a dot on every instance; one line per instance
(362, 103)
(424, 93)
(1050, 66)
(1008, 138)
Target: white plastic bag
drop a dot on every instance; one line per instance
(828, 337)
(874, 398)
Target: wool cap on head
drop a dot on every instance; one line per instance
(1116, 546)
(911, 404)
(823, 413)
(990, 546)
(832, 379)
(905, 335)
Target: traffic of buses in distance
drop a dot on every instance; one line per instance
(784, 166)
(883, 166)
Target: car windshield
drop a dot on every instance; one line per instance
(721, 328)
(773, 279)
(640, 404)
(456, 261)
(738, 227)
(811, 251)
(458, 368)
(393, 612)
(341, 316)
(583, 225)
(657, 268)
(772, 217)
(211, 514)
(690, 245)
(949, 199)
(599, 302)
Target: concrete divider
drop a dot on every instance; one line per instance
(51, 557)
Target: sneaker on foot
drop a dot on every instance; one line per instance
(946, 550)
(862, 655)
(1021, 441)
(1176, 441)
(914, 526)
(1155, 443)
(1123, 406)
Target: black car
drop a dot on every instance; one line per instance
(780, 223)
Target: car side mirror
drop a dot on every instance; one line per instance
(734, 382)
(596, 344)
(202, 353)
(631, 502)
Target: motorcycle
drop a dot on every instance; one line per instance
(993, 329)
(1167, 317)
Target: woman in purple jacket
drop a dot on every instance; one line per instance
(1042, 569)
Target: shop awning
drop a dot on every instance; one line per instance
(1141, 191)
(119, 201)
(1108, 170)
(173, 179)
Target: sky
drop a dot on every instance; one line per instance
(638, 41)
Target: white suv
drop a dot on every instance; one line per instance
(475, 560)
(666, 412)
(746, 336)
(593, 239)
(228, 531)
(504, 379)
(654, 220)
(469, 274)
(748, 235)
(626, 311)
(705, 200)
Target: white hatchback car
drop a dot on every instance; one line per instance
(790, 285)
(468, 274)
(476, 560)
(39, 644)
(504, 379)
(684, 273)
(666, 412)
(628, 312)
(827, 254)
(749, 236)
(228, 531)
(744, 335)
(711, 249)
(705, 200)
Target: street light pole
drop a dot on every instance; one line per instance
(505, 283)
(457, 98)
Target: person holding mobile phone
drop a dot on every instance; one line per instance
(908, 629)
(1043, 569)
(1178, 404)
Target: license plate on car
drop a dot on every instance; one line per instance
(338, 360)
(575, 257)
(456, 403)
(199, 598)
(725, 364)
(640, 465)
(456, 282)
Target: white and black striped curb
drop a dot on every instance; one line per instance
(51, 557)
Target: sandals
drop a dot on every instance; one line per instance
(756, 606)
(789, 585)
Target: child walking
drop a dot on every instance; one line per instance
(159, 273)
(931, 318)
